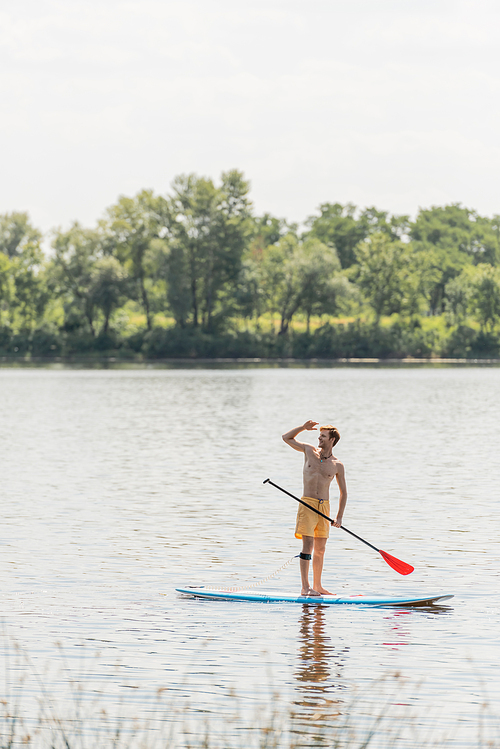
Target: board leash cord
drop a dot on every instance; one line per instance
(253, 585)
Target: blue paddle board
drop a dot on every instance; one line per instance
(365, 599)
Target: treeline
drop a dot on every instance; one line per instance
(198, 273)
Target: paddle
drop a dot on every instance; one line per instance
(402, 567)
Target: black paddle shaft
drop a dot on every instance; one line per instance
(268, 481)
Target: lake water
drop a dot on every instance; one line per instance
(119, 485)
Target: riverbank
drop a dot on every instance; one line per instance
(90, 362)
(391, 340)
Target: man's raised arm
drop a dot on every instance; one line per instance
(289, 437)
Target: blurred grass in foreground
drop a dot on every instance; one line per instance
(74, 712)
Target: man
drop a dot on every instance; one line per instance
(320, 467)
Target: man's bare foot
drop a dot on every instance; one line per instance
(309, 592)
(324, 591)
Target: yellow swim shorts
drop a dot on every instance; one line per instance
(311, 524)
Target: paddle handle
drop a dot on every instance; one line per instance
(268, 481)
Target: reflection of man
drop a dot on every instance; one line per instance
(319, 675)
(320, 467)
(316, 650)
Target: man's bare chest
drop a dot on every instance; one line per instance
(314, 466)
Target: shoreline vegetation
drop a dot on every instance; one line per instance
(111, 362)
(377, 718)
(197, 275)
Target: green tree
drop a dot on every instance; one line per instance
(128, 230)
(268, 229)
(344, 227)
(456, 228)
(31, 293)
(6, 285)
(208, 228)
(323, 287)
(453, 237)
(485, 297)
(301, 276)
(458, 294)
(173, 266)
(338, 227)
(71, 272)
(375, 221)
(386, 273)
(21, 242)
(16, 232)
(250, 296)
(281, 274)
(495, 228)
(107, 287)
(160, 272)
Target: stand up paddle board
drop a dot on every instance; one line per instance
(263, 597)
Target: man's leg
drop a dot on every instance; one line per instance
(307, 547)
(318, 557)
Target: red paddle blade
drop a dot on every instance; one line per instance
(402, 567)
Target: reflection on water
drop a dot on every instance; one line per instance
(398, 633)
(318, 673)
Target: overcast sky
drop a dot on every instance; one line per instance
(392, 103)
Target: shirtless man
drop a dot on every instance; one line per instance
(320, 466)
